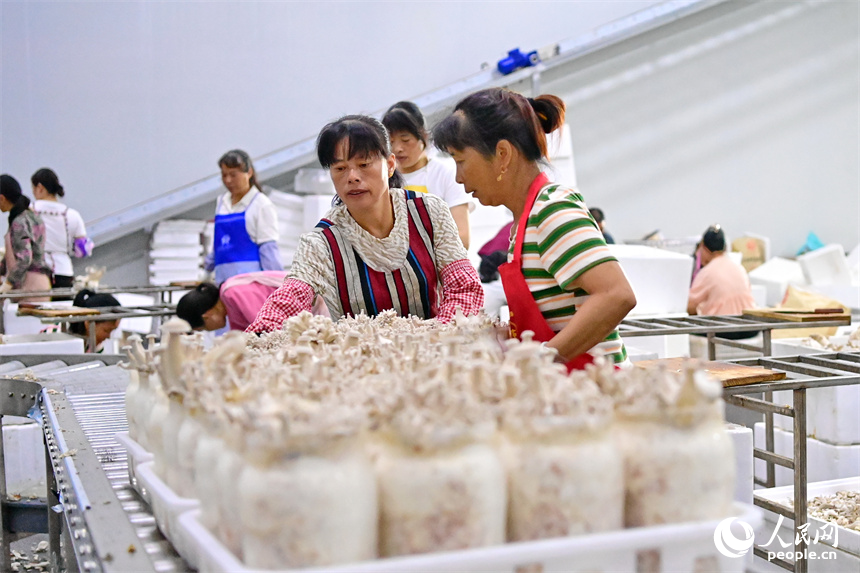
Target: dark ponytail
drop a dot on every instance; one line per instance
(49, 181)
(484, 118)
(549, 110)
(87, 298)
(194, 304)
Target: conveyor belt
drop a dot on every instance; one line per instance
(107, 526)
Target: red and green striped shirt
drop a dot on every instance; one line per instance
(562, 242)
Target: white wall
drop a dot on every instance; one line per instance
(128, 100)
(753, 123)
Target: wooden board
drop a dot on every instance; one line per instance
(67, 311)
(728, 374)
(185, 284)
(797, 315)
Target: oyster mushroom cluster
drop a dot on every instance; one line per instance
(822, 342)
(841, 508)
(333, 442)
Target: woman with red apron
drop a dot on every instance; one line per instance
(561, 281)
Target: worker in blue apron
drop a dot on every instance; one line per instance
(235, 251)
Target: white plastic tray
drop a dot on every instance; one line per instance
(678, 547)
(136, 456)
(848, 539)
(166, 505)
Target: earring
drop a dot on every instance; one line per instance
(499, 178)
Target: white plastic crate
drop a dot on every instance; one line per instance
(315, 208)
(136, 456)
(825, 266)
(166, 505)
(42, 343)
(823, 461)
(24, 457)
(775, 275)
(660, 278)
(742, 440)
(847, 541)
(176, 252)
(678, 547)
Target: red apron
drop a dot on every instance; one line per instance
(525, 314)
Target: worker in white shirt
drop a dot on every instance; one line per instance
(246, 223)
(422, 172)
(65, 233)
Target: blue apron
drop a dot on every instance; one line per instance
(235, 251)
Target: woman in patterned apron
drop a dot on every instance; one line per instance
(561, 281)
(23, 265)
(379, 247)
(65, 233)
(246, 223)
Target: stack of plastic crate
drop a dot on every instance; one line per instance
(176, 252)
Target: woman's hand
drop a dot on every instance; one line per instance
(5, 287)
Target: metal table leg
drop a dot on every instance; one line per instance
(769, 441)
(766, 337)
(800, 565)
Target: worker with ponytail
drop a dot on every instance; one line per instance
(561, 281)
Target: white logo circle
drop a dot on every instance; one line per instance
(728, 544)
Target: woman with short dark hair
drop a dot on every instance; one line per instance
(379, 247)
(562, 283)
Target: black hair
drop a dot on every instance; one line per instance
(11, 190)
(488, 269)
(406, 116)
(194, 304)
(483, 119)
(714, 239)
(87, 298)
(366, 136)
(238, 158)
(49, 181)
(597, 214)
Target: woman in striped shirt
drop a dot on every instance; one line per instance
(561, 280)
(379, 247)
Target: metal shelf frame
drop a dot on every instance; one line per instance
(804, 372)
(711, 326)
(163, 292)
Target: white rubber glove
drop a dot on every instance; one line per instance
(5, 287)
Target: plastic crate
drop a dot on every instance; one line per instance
(848, 541)
(823, 461)
(136, 456)
(677, 547)
(166, 505)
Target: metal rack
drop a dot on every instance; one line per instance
(711, 326)
(109, 313)
(163, 292)
(803, 372)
